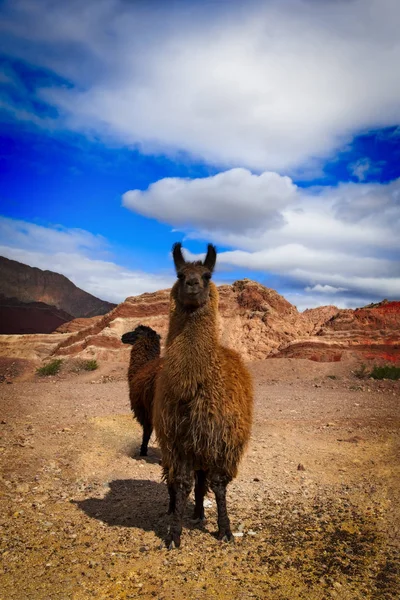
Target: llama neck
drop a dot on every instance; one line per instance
(193, 337)
(143, 351)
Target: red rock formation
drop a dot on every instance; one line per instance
(77, 324)
(372, 332)
(254, 320)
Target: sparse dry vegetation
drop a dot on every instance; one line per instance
(378, 372)
(385, 372)
(52, 368)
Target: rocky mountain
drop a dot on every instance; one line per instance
(254, 319)
(18, 317)
(29, 284)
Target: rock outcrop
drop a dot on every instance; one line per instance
(255, 320)
(371, 332)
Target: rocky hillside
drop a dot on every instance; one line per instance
(372, 332)
(29, 317)
(29, 284)
(254, 319)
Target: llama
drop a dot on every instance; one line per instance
(203, 401)
(144, 365)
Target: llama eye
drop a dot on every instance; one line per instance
(180, 276)
(207, 276)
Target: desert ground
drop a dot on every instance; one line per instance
(315, 509)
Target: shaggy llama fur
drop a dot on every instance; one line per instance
(204, 399)
(144, 365)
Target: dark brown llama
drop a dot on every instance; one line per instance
(204, 399)
(144, 365)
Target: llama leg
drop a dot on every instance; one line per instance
(181, 487)
(200, 489)
(218, 485)
(172, 499)
(147, 431)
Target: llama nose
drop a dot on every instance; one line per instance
(193, 281)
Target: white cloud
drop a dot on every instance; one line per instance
(360, 168)
(234, 201)
(271, 86)
(328, 240)
(74, 253)
(303, 301)
(325, 289)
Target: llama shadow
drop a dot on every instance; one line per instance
(154, 455)
(138, 503)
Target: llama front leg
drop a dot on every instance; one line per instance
(218, 485)
(180, 489)
(147, 431)
(172, 499)
(200, 489)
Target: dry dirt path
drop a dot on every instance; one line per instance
(316, 505)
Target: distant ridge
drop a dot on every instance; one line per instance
(30, 284)
(18, 317)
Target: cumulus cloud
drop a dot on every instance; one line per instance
(77, 255)
(234, 201)
(271, 86)
(325, 289)
(329, 240)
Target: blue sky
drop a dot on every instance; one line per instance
(272, 131)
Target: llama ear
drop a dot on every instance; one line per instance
(211, 257)
(179, 261)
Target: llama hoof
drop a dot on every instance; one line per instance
(143, 453)
(172, 544)
(226, 536)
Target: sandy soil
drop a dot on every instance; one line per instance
(316, 506)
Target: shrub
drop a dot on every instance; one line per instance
(385, 372)
(90, 365)
(51, 368)
(361, 372)
(78, 365)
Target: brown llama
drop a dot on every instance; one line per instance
(203, 402)
(144, 365)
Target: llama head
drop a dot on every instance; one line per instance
(142, 331)
(193, 286)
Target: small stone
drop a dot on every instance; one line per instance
(238, 534)
(337, 585)
(300, 467)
